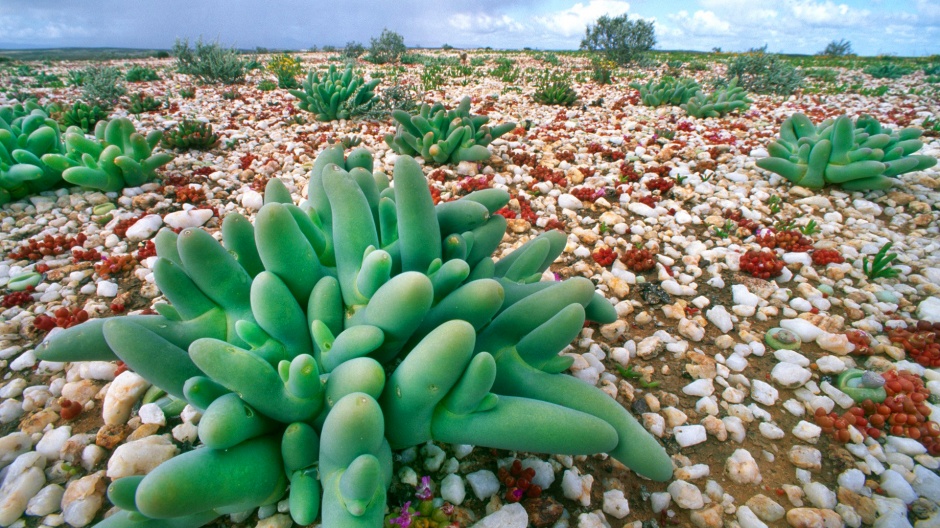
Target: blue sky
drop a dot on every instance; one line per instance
(900, 27)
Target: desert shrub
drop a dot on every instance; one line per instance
(329, 48)
(352, 50)
(267, 85)
(103, 85)
(162, 54)
(837, 48)
(821, 74)
(286, 69)
(139, 73)
(602, 70)
(764, 73)
(932, 68)
(621, 39)
(887, 70)
(389, 47)
(209, 62)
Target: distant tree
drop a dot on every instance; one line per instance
(447, 47)
(353, 49)
(621, 39)
(841, 48)
(389, 47)
(329, 48)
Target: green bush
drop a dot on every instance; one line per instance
(444, 136)
(103, 86)
(210, 63)
(764, 73)
(286, 68)
(140, 74)
(602, 70)
(266, 85)
(554, 90)
(858, 156)
(83, 116)
(141, 103)
(840, 48)
(505, 70)
(822, 74)
(190, 134)
(621, 39)
(162, 54)
(932, 68)
(666, 91)
(887, 70)
(352, 50)
(336, 95)
(389, 47)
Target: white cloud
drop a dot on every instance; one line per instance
(701, 23)
(574, 20)
(484, 23)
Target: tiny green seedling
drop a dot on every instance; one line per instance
(784, 225)
(603, 228)
(810, 229)
(629, 373)
(880, 264)
(724, 231)
(774, 204)
(680, 179)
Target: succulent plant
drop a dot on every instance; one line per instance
(83, 116)
(668, 91)
(284, 332)
(141, 102)
(336, 95)
(190, 134)
(444, 136)
(558, 92)
(723, 100)
(26, 135)
(139, 73)
(118, 157)
(856, 156)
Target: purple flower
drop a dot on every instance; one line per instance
(423, 491)
(403, 520)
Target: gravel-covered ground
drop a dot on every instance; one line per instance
(686, 355)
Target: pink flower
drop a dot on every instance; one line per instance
(403, 520)
(423, 491)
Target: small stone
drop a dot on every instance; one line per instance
(616, 504)
(509, 516)
(720, 317)
(659, 501)
(187, 219)
(140, 456)
(694, 472)
(806, 457)
(929, 310)
(926, 483)
(23, 480)
(122, 394)
(742, 468)
(908, 446)
(83, 498)
(699, 388)
(483, 483)
(144, 228)
(453, 489)
(543, 511)
(689, 435)
(710, 517)
(107, 289)
(748, 519)
(806, 431)
(577, 487)
(763, 393)
(766, 508)
(896, 486)
(819, 495)
(46, 501)
(568, 201)
(789, 375)
(686, 495)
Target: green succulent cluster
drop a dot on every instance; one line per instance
(139, 73)
(141, 103)
(83, 116)
(444, 136)
(27, 134)
(118, 157)
(326, 335)
(190, 134)
(557, 92)
(887, 70)
(667, 91)
(856, 156)
(336, 95)
(724, 100)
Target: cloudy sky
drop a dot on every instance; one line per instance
(900, 27)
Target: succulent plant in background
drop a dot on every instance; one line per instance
(326, 335)
(858, 156)
(336, 95)
(83, 116)
(724, 100)
(445, 136)
(139, 73)
(141, 103)
(286, 69)
(555, 92)
(118, 157)
(887, 70)
(667, 91)
(190, 134)
(26, 135)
